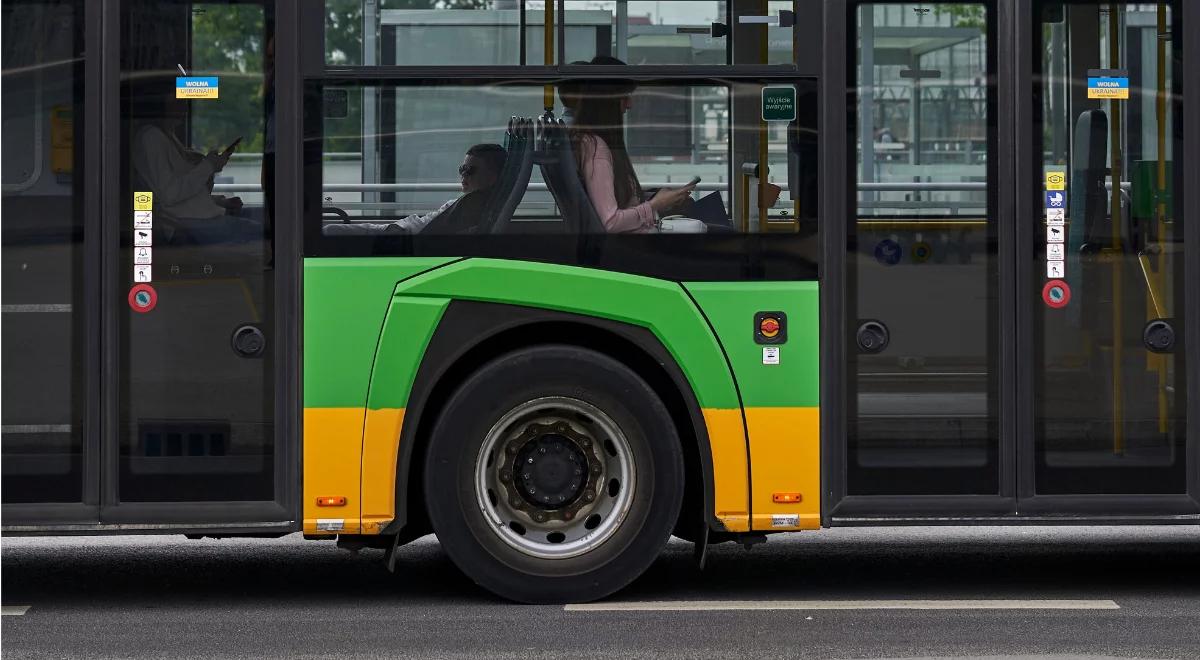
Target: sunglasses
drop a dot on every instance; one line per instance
(466, 170)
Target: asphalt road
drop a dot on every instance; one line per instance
(171, 597)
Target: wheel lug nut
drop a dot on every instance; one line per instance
(505, 476)
(540, 517)
(512, 449)
(567, 515)
(589, 496)
(585, 442)
(596, 469)
(515, 502)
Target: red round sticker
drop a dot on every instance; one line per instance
(1056, 294)
(142, 298)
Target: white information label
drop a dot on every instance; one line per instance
(142, 256)
(770, 355)
(143, 219)
(1056, 216)
(1056, 269)
(1055, 234)
(141, 273)
(143, 238)
(785, 520)
(1055, 251)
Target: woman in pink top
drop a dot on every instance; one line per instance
(598, 138)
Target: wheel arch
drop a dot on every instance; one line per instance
(470, 333)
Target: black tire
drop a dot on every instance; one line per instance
(501, 386)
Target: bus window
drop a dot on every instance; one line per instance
(43, 253)
(448, 160)
(922, 253)
(1112, 388)
(458, 32)
(646, 32)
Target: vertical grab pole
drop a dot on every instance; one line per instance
(1118, 339)
(548, 54)
(763, 166)
(1161, 202)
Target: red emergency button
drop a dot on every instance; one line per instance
(769, 327)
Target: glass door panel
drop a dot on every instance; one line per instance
(922, 354)
(196, 409)
(1111, 388)
(44, 336)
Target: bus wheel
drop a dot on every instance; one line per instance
(554, 475)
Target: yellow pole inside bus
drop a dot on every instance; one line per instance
(1117, 253)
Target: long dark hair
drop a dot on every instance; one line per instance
(597, 113)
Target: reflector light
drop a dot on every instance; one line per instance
(335, 500)
(786, 498)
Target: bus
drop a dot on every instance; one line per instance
(350, 269)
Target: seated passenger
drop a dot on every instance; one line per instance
(598, 139)
(479, 172)
(181, 179)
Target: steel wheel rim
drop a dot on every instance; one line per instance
(558, 530)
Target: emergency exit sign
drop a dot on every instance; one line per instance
(779, 103)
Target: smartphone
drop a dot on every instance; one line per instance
(693, 182)
(233, 145)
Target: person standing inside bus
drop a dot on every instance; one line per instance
(598, 139)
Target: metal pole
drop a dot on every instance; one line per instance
(548, 54)
(1161, 205)
(1116, 245)
(866, 92)
(623, 30)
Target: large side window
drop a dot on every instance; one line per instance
(513, 32)
(469, 168)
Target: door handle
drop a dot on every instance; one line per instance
(872, 336)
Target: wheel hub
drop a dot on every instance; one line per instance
(551, 471)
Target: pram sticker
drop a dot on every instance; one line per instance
(197, 88)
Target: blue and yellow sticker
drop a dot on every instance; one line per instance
(196, 88)
(1109, 84)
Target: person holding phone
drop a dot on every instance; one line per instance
(182, 178)
(598, 140)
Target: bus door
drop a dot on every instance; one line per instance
(194, 340)
(1105, 253)
(921, 346)
(1015, 264)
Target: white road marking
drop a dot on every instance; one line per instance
(719, 605)
(14, 610)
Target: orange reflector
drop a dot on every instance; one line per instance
(769, 327)
(786, 498)
(336, 500)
